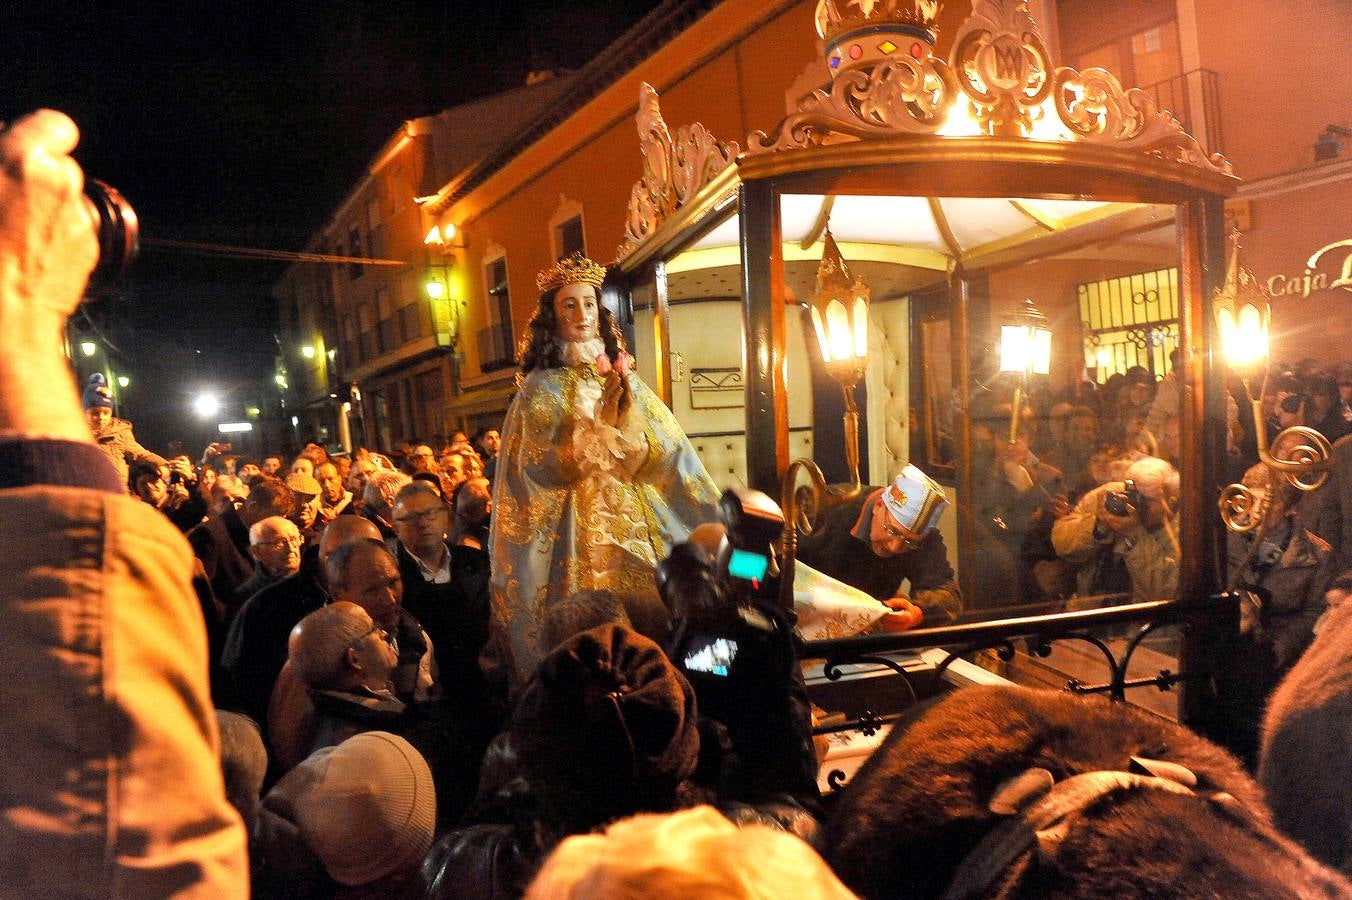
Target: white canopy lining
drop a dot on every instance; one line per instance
(929, 232)
(900, 243)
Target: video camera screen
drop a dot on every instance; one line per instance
(714, 657)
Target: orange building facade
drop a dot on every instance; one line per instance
(1259, 85)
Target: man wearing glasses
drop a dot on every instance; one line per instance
(274, 544)
(445, 588)
(885, 538)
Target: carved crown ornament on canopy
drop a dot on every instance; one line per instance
(886, 81)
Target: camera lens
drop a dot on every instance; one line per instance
(119, 237)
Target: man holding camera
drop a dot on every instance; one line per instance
(1122, 536)
(109, 775)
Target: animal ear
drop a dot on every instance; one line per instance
(1170, 771)
(1014, 794)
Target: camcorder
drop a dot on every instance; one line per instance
(1121, 503)
(119, 236)
(722, 596)
(737, 647)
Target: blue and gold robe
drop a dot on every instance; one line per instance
(578, 504)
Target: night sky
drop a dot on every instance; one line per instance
(245, 124)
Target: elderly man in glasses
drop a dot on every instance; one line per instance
(274, 544)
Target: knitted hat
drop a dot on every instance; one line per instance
(305, 487)
(96, 392)
(366, 808)
(607, 726)
(916, 501)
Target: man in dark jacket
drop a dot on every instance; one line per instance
(446, 589)
(256, 647)
(887, 536)
(221, 543)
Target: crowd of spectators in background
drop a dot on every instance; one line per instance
(346, 597)
(364, 744)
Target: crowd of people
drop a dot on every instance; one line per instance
(293, 675)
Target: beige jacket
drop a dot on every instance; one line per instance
(1150, 558)
(110, 784)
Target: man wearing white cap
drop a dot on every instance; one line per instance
(885, 537)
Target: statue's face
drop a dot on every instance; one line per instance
(575, 312)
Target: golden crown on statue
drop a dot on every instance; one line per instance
(858, 32)
(575, 269)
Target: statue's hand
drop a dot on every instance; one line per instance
(615, 400)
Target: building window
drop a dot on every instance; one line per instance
(400, 190)
(430, 390)
(410, 327)
(495, 341)
(350, 334)
(1130, 321)
(354, 269)
(386, 319)
(569, 237)
(367, 324)
(375, 229)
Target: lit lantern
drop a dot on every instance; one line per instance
(1244, 336)
(1026, 342)
(1025, 350)
(840, 317)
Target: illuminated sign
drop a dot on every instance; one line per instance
(1313, 280)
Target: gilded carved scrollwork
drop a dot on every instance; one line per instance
(895, 96)
(674, 169)
(1094, 105)
(1002, 66)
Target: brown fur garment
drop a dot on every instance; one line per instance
(920, 804)
(1306, 766)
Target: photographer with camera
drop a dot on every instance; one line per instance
(1122, 536)
(736, 647)
(109, 773)
(166, 489)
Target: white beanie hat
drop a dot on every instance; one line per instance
(366, 808)
(916, 501)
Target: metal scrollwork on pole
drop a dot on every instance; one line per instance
(1299, 455)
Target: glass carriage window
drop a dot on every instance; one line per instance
(1131, 320)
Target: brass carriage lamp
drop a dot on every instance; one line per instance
(1298, 454)
(840, 318)
(1025, 350)
(1244, 338)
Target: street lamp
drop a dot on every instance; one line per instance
(1025, 350)
(307, 351)
(88, 348)
(206, 405)
(123, 381)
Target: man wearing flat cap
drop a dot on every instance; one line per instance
(884, 538)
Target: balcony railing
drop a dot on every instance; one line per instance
(495, 347)
(1194, 99)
